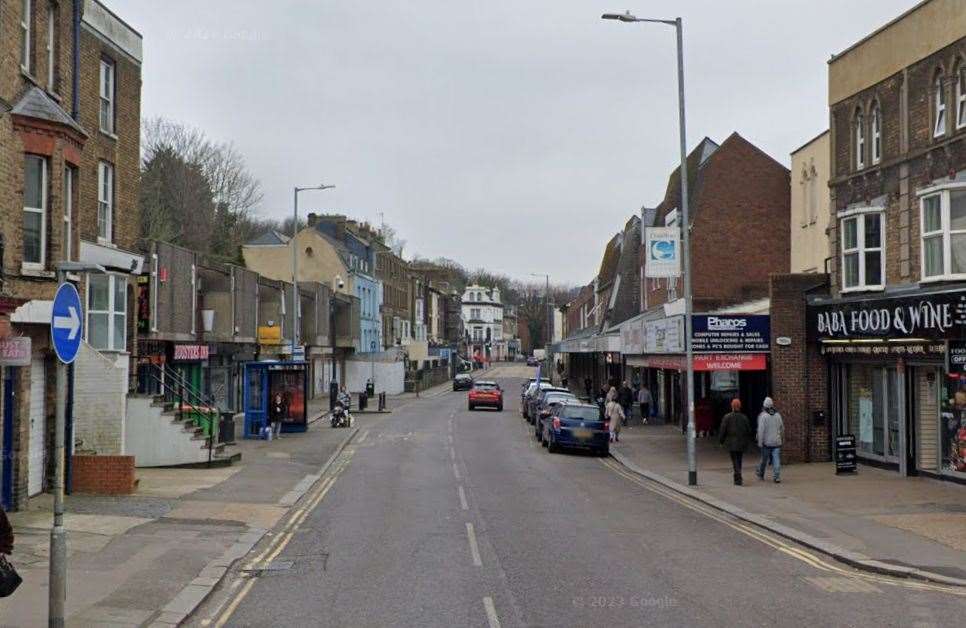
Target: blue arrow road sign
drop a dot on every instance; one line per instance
(66, 323)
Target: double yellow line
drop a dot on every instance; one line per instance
(278, 544)
(776, 542)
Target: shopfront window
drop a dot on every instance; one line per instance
(873, 410)
(952, 428)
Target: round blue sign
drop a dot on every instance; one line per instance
(66, 323)
(663, 250)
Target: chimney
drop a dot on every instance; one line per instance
(312, 219)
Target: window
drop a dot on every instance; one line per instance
(105, 202)
(69, 178)
(939, 99)
(107, 96)
(107, 312)
(859, 141)
(961, 97)
(51, 45)
(876, 134)
(35, 211)
(25, 32)
(862, 255)
(944, 234)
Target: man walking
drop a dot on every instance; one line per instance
(771, 429)
(644, 398)
(735, 434)
(626, 398)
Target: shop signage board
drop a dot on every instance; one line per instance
(956, 358)
(931, 316)
(731, 362)
(632, 338)
(932, 349)
(15, 351)
(665, 335)
(845, 460)
(731, 333)
(186, 353)
(662, 250)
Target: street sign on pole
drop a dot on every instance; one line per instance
(66, 323)
(662, 247)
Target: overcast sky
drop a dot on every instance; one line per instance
(517, 135)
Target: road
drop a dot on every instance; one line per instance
(436, 516)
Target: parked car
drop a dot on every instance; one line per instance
(485, 394)
(533, 401)
(462, 382)
(576, 426)
(545, 406)
(529, 390)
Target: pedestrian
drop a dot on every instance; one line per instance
(611, 395)
(276, 413)
(771, 429)
(644, 398)
(6, 534)
(625, 397)
(614, 415)
(589, 388)
(735, 434)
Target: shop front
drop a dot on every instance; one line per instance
(897, 377)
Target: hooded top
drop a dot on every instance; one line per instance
(771, 428)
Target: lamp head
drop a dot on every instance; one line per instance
(623, 17)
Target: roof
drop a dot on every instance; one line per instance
(269, 238)
(608, 265)
(811, 141)
(35, 103)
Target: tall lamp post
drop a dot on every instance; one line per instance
(686, 229)
(546, 305)
(295, 262)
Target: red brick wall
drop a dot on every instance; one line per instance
(104, 475)
(799, 373)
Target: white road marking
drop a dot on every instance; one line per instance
(452, 453)
(491, 616)
(363, 437)
(456, 471)
(450, 439)
(474, 548)
(463, 504)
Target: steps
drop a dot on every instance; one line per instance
(157, 437)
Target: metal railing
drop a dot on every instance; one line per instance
(174, 388)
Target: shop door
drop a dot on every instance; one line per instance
(925, 389)
(37, 451)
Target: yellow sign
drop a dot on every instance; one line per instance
(270, 335)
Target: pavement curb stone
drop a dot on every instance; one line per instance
(197, 591)
(853, 559)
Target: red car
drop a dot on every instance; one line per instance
(485, 394)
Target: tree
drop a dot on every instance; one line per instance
(390, 237)
(176, 201)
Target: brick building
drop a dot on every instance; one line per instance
(884, 337)
(69, 158)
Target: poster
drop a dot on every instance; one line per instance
(865, 420)
(289, 386)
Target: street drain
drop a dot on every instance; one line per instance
(274, 567)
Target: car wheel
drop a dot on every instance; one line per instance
(470, 407)
(499, 408)
(603, 453)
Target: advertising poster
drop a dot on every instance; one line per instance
(288, 384)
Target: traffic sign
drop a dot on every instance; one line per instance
(66, 323)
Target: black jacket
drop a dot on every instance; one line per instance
(6, 534)
(625, 396)
(735, 431)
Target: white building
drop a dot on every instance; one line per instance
(483, 323)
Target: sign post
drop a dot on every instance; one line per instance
(66, 332)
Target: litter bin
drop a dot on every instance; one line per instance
(226, 427)
(370, 389)
(363, 401)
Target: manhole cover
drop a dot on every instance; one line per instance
(276, 566)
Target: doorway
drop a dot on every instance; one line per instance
(37, 450)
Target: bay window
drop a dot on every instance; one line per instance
(863, 260)
(35, 212)
(943, 228)
(107, 312)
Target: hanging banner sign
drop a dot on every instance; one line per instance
(662, 250)
(190, 352)
(931, 316)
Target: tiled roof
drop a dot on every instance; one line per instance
(35, 103)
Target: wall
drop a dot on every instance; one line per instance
(103, 475)
(915, 35)
(810, 201)
(100, 401)
(275, 261)
(389, 375)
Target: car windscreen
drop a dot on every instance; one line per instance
(552, 397)
(581, 414)
(484, 387)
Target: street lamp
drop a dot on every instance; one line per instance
(686, 228)
(57, 591)
(546, 304)
(295, 261)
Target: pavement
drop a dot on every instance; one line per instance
(873, 519)
(150, 558)
(438, 516)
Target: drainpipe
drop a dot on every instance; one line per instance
(75, 62)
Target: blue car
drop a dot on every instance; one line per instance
(576, 426)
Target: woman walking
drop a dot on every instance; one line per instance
(277, 413)
(735, 434)
(614, 414)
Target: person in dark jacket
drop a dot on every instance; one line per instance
(6, 534)
(625, 397)
(735, 434)
(277, 412)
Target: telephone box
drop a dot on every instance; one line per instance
(273, 382)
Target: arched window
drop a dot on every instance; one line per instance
(961, 96)
(859, 140)
(876, 133)
(939, 104)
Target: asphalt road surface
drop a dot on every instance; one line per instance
(437, 516)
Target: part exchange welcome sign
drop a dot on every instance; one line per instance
(929, 316)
